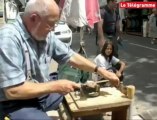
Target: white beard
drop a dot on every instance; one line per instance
(34, 33)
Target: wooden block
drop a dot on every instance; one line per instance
(130, 91)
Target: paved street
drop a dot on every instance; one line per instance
(141, 71)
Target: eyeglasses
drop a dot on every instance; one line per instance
(52, 25)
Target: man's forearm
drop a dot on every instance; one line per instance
(28, 90)
(84, 64)
(80, 62)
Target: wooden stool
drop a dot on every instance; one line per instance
(110, 100)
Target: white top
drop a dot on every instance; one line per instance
(102, 62)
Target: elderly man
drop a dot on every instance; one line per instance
(26, 47)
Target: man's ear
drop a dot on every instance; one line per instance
(34, 17)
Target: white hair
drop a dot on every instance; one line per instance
(37, 6)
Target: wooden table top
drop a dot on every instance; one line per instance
(109, 98)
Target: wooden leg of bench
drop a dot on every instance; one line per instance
(122, 114)
(63, 113)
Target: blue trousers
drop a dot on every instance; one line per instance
(34, 109)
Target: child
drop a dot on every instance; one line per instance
(153, 26)
(107, 61)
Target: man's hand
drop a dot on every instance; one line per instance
(112, 77)
(65, 86)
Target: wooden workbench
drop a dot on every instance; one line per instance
(109, 100)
